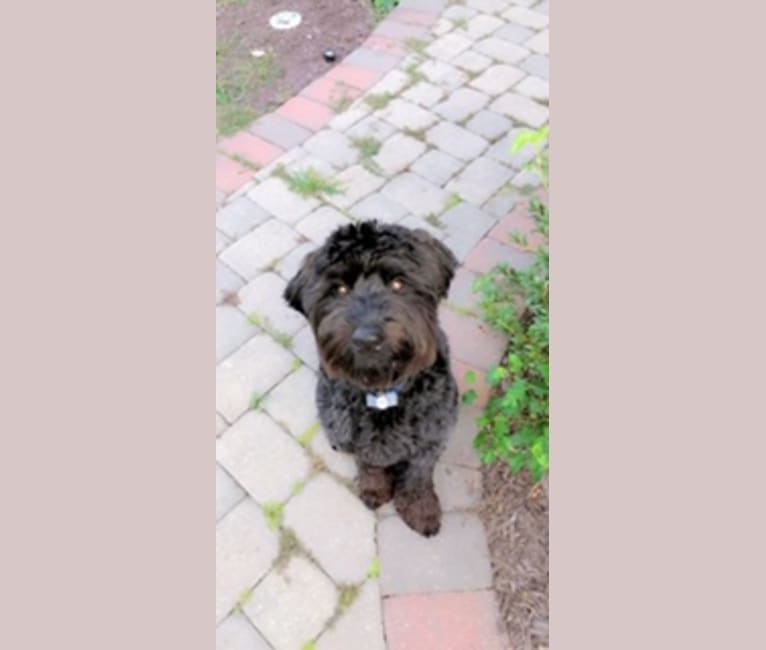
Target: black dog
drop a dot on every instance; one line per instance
(385, 393)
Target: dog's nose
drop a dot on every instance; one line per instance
(367, 335)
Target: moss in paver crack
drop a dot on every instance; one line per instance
(273, 513)
(378, 101)
(347, 594)
(414, 73)
(416, 45)
(244, 598)
(297, 364)
(435, 221)
(309, 645)
(460, 23)
(297, 487)
(373, 573)
(288, 547)
(417, 134)
(285, 340)
(256, 401)
(308, 435)
(453, 201)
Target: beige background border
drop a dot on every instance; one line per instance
(658, 326)
(658, 355)
(108, 392)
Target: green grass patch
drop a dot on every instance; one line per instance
(347, 594)
(310, 182)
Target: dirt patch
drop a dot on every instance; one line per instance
(515, 514)
(248, 86)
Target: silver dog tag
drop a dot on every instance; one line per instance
(382, 401)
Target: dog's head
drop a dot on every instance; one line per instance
(371, 294)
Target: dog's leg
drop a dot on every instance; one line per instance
(375, 485)
(415, 498)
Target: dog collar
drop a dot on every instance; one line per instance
(384, 399)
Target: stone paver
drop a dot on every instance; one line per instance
(274, 196)
(335, 527)
(361, 627)
(227, 492)
(397, 153)
(480, 180)
(416, 194)
(291, 607)
(232, 329)
(253, 369)
(332, 146)
(292, 402)
(521, 108)
(445, 118)
(377, 206)
(244, 551)
(437, 166)
(424, 93)
(262, 457)
(406, 115)
(238, 633)
(320, 224)
(456, 141)
(239, 217)
(358, 183)
(461, 104)
(260, 249)
(262, 298)
(414, 564)
(488, 125)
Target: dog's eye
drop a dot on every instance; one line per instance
(397, 284)
(341, 289)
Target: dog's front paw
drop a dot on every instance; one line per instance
(375, 486)
(421, 511)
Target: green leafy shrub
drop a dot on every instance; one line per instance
(382, 7)
(514, 424)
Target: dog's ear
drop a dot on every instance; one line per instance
(296, 289)
(443, 260)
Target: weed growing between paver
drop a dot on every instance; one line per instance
(285, 340)
(514, 425)
(273, 513)
(308, 182)
(378, 101)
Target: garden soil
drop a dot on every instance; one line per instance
(514, 511)
(297, 54)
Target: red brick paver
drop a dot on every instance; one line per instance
(447, 621)
(518, 220)
(252, 148)
(472, 340)
(306, 113)
(386, 45)
(490, 252)
(330, 91)
(229, 175)
(351, 75)
(410, 17)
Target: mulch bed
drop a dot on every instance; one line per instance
(515, 514)
(248, 86)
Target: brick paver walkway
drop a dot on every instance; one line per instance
(436, 94)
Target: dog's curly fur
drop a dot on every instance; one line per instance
(384, 281)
